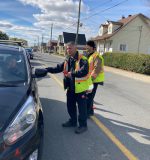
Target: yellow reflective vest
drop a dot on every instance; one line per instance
(81, 84)
(100, 76)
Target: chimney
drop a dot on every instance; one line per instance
(129, 15)
(123, 17)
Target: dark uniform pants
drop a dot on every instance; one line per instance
(90, 100)
(74, 100)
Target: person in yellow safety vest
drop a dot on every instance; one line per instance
(96, 71)
(76, 81)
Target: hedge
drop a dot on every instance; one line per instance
(139, 63)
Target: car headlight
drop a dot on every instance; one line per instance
(22, 123)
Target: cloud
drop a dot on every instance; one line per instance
(22, 30)
(6, 25)
(47, 6)
(62, 13)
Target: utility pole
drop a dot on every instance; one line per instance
(34, 43)
(51, 36)
(38, 42)
(76, 40)
(42, 44)
(51, 31)
(140, 29)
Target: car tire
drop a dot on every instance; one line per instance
(41, 144)
(40, 148)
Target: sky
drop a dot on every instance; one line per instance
(33, 19)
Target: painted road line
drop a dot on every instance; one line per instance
(56, 79)
(113, 138)
(109, 134)
(52, 75)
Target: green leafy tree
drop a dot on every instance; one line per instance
(3, 36)
(20, 39)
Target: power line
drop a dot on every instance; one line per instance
(106, 9)
(99, 5)
(89, 10)
(86, 18)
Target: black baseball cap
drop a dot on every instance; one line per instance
(91, 43)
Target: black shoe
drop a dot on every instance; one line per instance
(69, 124)
(80, 130)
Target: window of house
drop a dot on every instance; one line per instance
(109, 29)
(123, 47)
(101, 31)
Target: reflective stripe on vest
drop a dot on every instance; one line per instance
(100, 76)
(78, 68)
(84, 83)
(66, 66)
(81, 84)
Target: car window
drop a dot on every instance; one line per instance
(12, 67)
(28, 49)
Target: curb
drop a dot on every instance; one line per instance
(136, 76)
(129, 74)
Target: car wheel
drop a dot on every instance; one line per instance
(37, 154)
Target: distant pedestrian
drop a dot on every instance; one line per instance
(96, 71)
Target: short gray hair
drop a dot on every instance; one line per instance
(71, 43)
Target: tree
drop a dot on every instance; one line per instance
(3, 36)
(19, 39)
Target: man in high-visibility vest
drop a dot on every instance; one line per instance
(96, 71)
(76, 81)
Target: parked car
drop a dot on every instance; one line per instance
(29, 52)
(21, 119)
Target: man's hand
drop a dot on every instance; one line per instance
(69, 75)
(40, 72)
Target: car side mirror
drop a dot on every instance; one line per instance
(40, 72)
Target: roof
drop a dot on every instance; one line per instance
(114, 22)
(53, 41)
(72, 36)
(7, 47)
(104, 25)
(124, 22)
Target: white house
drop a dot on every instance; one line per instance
(130, 34)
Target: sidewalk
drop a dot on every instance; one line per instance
(136, 76)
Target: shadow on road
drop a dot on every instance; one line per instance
(136, 139)
(55, 135)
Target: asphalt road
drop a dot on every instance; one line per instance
(120, 129)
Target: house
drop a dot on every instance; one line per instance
(130, 34)
(67, 37)
(51, 45)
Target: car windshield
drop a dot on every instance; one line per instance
(12, 68)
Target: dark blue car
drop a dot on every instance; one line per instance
(29, 52)
(21, 115)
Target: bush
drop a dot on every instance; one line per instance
(139, 63)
